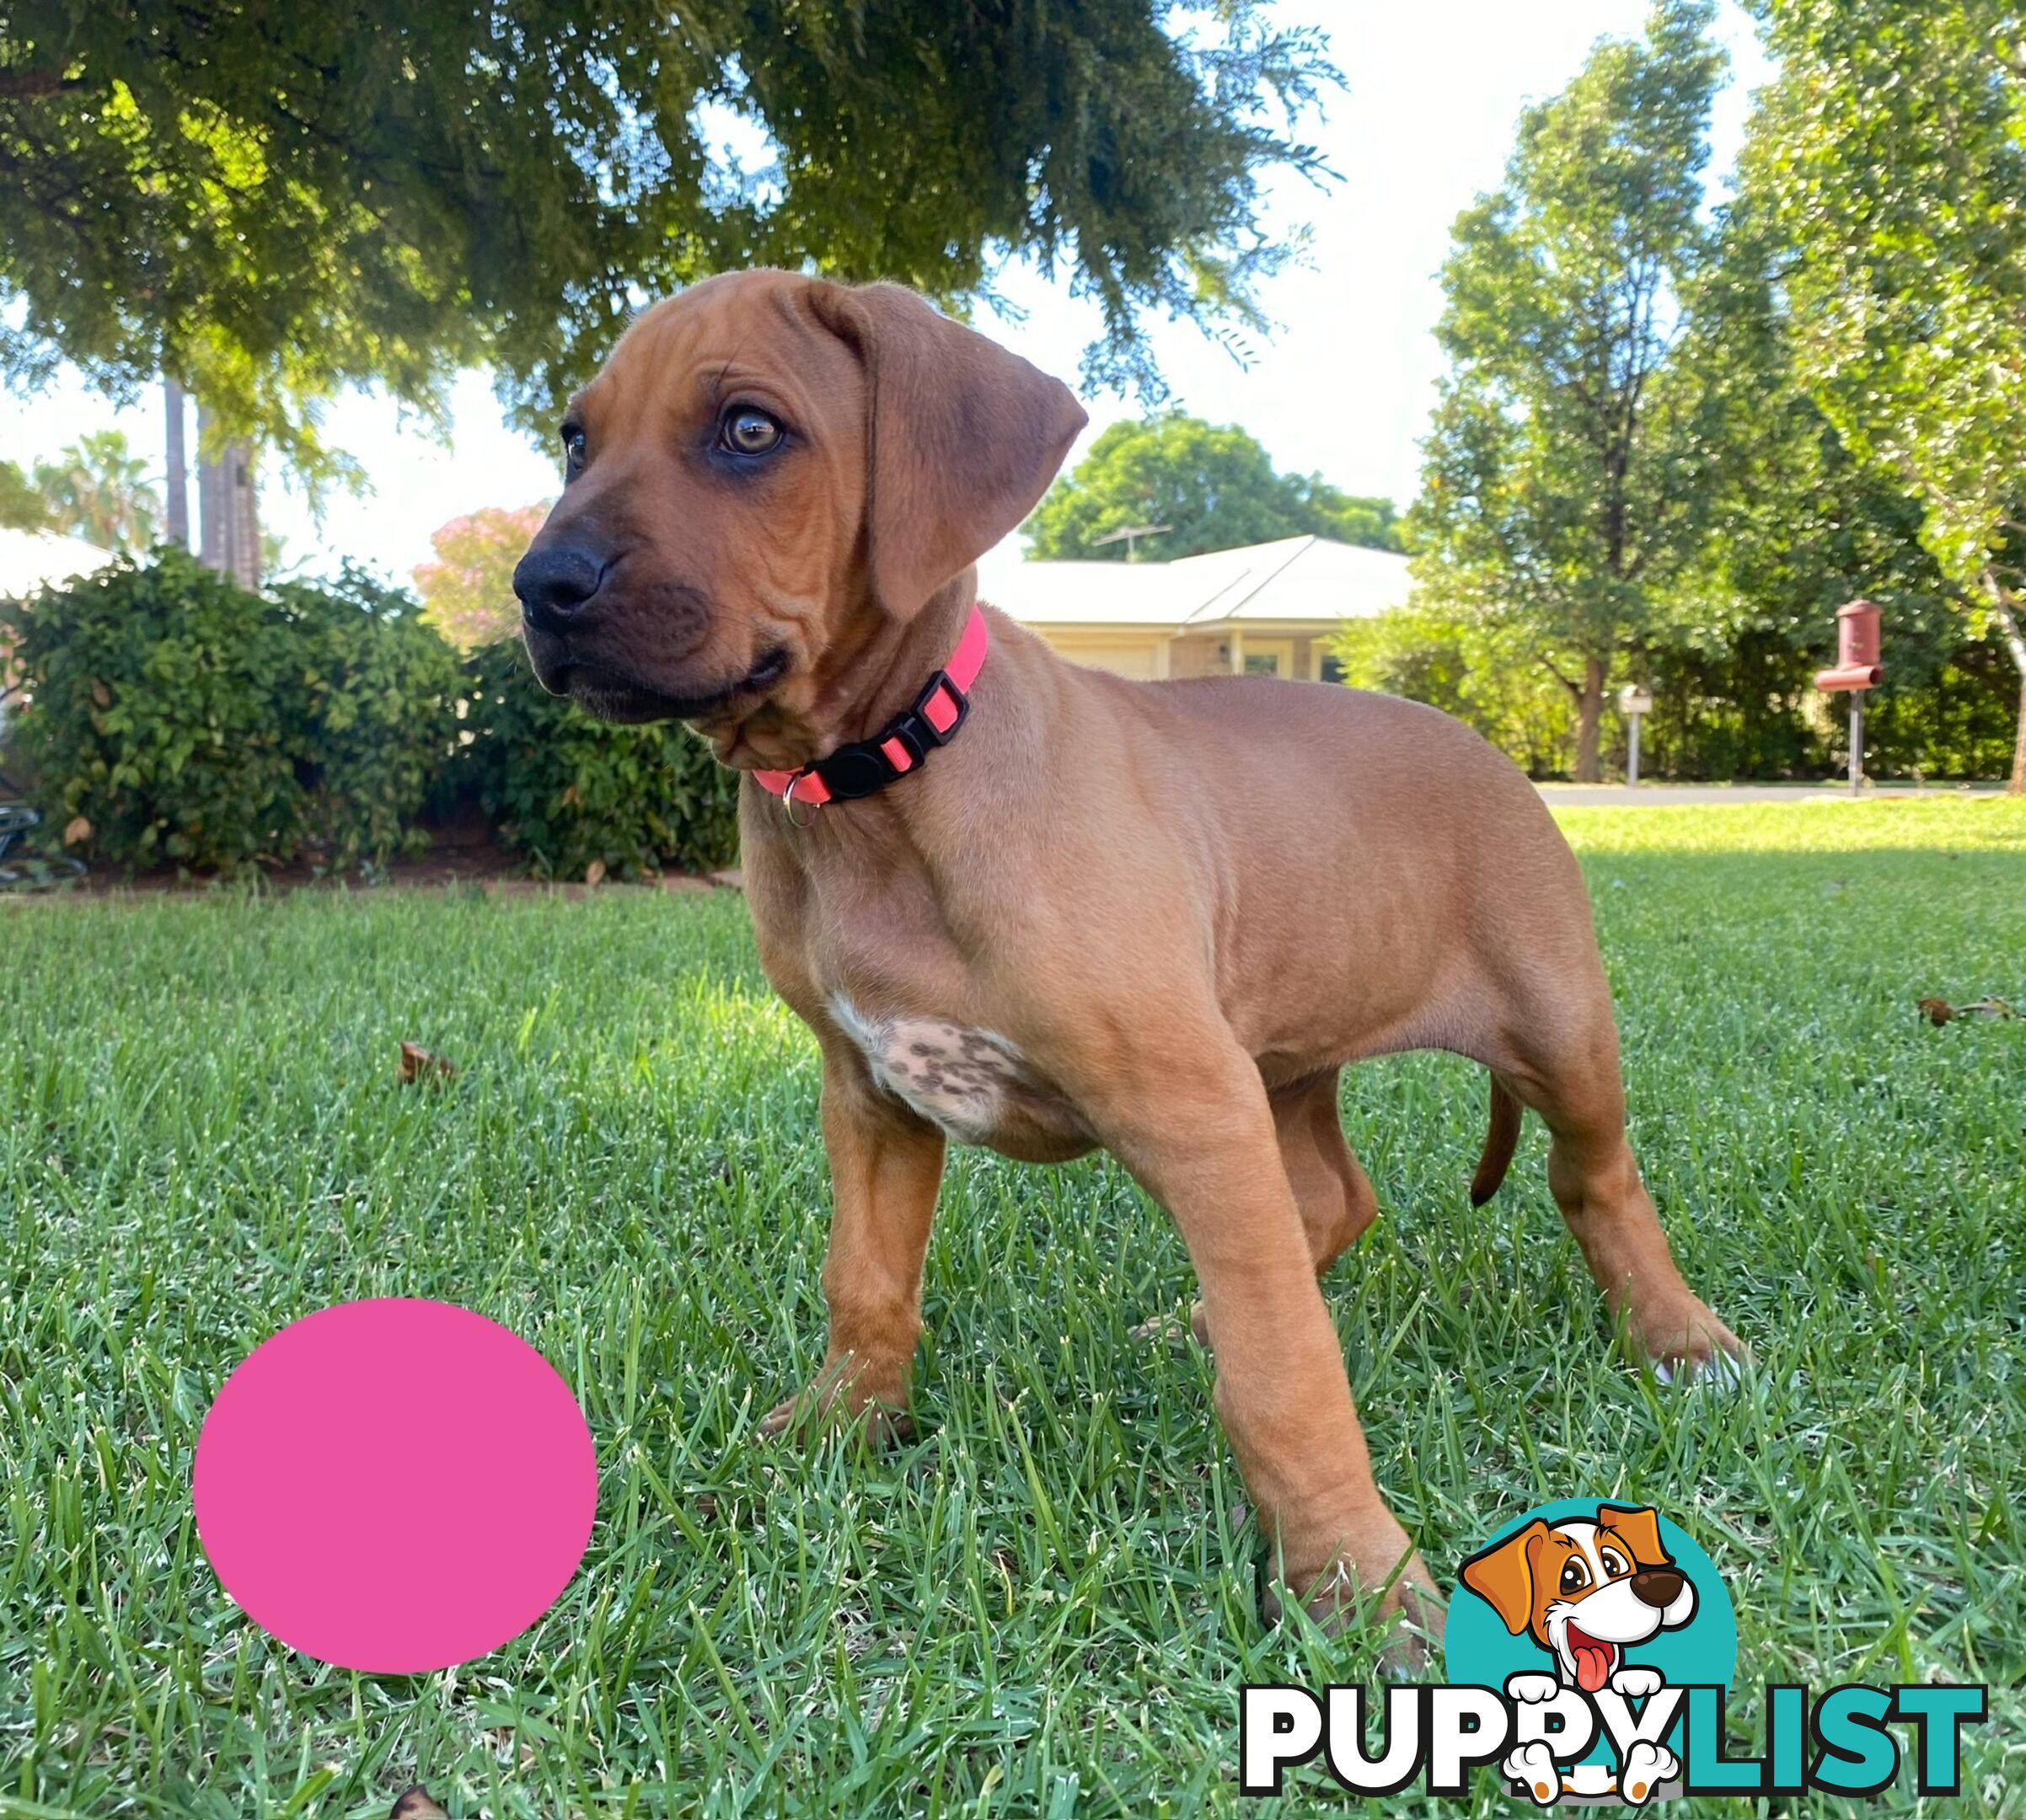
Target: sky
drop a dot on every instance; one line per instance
(1343, 387)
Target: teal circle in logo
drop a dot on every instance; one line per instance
(1493, 1628)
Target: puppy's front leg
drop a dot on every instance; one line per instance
(885, 1166)
(1194, 1125)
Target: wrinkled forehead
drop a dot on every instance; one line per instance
(749, 338)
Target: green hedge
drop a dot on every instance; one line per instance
(189, 723)
(1743, 706)
(566, 792)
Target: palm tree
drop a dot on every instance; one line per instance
(97, 489)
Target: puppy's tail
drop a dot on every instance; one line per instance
(1499, 1142)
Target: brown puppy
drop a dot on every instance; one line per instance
(1156, 918)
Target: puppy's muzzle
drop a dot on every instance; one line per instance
(553, 584)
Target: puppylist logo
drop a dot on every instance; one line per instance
(1590, 1647)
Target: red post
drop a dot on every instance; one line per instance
(1857, 669)
(1857, 666)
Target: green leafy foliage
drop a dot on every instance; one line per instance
(569, 793)
(1212, 487)
(186, 721)
(270, 209)
(375, 715)
(1892, 152)
(1563, 477)
(1476, 667)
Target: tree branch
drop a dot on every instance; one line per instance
(31, 85)
(1575, 690)
(2009, 625)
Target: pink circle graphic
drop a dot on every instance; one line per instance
(394, 1485)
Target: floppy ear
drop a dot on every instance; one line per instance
(1640, 1532)
(1503, 1576)
(962, 437)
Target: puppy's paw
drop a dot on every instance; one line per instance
(1647, 1766)
(1531, 1768)
(838, 1399)
(1532, 1689)
(1636, 1684)
(1721, 1371)
(1410, 1606)
(1686, 1344)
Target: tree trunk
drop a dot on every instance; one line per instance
(1589, 723)
(2002, 603)
(176, 481)
(231, 529)
(2017, 785)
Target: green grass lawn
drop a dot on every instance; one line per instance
(1044, 1605)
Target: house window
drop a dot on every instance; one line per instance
(1262, 663)
(1333, 670)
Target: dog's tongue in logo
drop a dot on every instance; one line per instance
(1593, 1659)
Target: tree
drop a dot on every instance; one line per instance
(1892, 149)
(468, 591)
(97, 489)
(268, 204)
(1797, 526)
(1207, 488)
(1562, 476)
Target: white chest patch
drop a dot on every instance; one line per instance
(957, 1077)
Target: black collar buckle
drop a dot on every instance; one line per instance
(866, 767)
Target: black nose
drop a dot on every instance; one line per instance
(553, 583)
(1657, 1587)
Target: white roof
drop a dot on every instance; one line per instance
(1303, 579)
(30, 559)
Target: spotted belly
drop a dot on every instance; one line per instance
(973, 1084)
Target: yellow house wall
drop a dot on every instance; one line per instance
(1143, 657)
(1157, 653)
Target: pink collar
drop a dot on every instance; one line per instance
(866, 767)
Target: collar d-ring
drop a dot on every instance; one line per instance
(788, 802)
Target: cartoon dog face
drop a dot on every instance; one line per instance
(1585, 1591)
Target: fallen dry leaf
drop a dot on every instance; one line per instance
(75, 830)
(594, 872)
(416, 1804)
(418, 1064)
(1939, 1011)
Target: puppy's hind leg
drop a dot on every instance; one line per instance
(1566, 1069)
(1336, 1197)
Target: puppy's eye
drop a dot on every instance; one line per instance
(1575, 1575)
(746, 431)
(1615, 1564)
(573, 449)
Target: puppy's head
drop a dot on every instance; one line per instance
(770, 469)
(1585, 1591)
